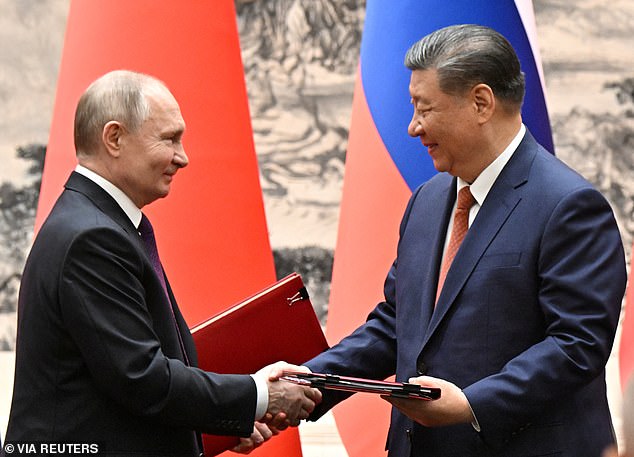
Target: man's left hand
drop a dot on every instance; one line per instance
(261, 433)
(451, 408)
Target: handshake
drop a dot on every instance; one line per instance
(288, 404)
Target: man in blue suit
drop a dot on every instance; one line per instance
(518, 334)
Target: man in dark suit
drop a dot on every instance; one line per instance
(517, 329)
(103, 353)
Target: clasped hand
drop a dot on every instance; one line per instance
(288, 403)
(451, 408)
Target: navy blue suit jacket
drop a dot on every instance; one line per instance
(98, 358)
(525, 322)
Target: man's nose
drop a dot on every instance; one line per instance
(181, 159)
(415, 128)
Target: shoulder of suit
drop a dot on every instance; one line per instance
(75, 213)
(437, 183)
(551, 171)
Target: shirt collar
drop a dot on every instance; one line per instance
(128, 207)
(483, 183)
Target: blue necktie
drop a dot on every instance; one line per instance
(147, 235)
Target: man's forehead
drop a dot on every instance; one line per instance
(422, 80)
(162, 102)
(159, 94)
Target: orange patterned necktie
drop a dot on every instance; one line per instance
(458, 232)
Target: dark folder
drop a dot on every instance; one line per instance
(277, 323)
(349, 384)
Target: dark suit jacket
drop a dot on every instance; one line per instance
(98, 357)
(525, 322)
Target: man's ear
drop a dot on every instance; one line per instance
(484, 101)
(111, 137)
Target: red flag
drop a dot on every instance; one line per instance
(211, 230)
(371, 182)
(626, 348)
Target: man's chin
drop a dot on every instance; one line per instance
(161, 194)
(439, 166)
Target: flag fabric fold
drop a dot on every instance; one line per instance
(626, 345)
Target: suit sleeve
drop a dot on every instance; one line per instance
(103, 303)
(370, 351)
(581, 280)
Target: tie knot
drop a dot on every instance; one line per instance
(145, 227)
(465, 198)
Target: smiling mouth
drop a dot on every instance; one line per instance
(430, 147)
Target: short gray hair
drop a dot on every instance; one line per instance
(115, 96)
(466, 55)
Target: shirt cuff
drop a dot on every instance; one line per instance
(474, 423)
(262, 397)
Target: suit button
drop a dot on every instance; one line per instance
(421, 368)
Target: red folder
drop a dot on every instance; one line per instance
(277, 323)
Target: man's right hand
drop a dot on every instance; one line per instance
(288, 403)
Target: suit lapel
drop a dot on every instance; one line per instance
(497, 208)
(441, 205)
(108, 205)
(102, 200)
(419, 251)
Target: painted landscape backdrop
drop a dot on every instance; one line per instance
(300, 59)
